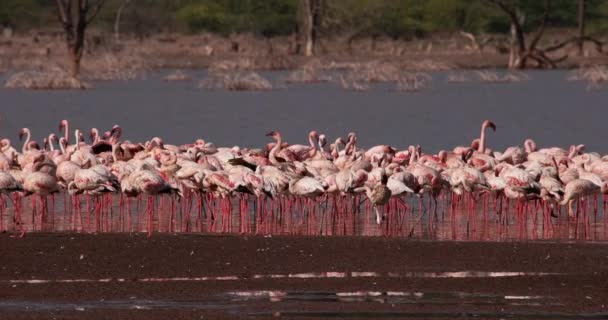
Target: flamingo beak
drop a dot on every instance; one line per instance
(21, 133)
(271, 133)
(492, 125)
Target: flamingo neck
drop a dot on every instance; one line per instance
(67, 133)
(275, 149)
(482, 140)
(51, 145)
(313, 146)
(77, 136)
(26, 146)
(62, 147)
(114, 152)
(95, 136)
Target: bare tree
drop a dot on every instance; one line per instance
(75, 16)
(581, 26)
(309, 21)
(521, 50)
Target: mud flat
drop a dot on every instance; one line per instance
(130, 276)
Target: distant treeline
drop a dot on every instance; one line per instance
(390, 18)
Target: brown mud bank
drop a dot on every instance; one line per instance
(73, 276)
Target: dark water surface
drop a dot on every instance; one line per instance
(547, 108)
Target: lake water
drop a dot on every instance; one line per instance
(547, 108)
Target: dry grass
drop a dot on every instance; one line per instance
(352, 84)
(177, 75)
(45, 80)
(111, 66)
(375, 72)
(458, 77)
(595, 76)
(427, 65)
(494, 77)
(277, 62)
(236, 81)
(412, 82)
(312, 72)
(359, 76)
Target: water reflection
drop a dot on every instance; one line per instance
(325, 216)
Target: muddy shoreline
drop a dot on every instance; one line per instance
(191, 276)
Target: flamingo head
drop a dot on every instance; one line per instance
(63, 142)
(53, 138)
(475, 144)
(116, 132)
(273, 134)
(22, 132)
(33, 145)
(530, 145)
(94, 133)
(158, 141)
(322, 140)
(63, 124)
(489, 124)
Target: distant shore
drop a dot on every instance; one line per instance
(44, 51)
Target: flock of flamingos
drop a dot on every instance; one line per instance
(283, 177)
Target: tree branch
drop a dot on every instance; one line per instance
(541, 28)
(63, 11)
(512, 13)
(598, 44)
(96, 8)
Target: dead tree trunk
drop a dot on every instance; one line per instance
(310, 19)
(75, 16)
(581, 26)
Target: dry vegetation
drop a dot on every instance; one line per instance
(312, 72)
(457, 77)
(112, 66)
(495, 77)
(44, 80)
(594, 76)
(360, 76)
(177, 75)
(412, 82)
(236, 81)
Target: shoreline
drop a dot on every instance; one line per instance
(46, 50)
(486, 280)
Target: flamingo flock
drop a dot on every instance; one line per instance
(283, 177)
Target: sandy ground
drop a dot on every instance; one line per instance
(390, 278)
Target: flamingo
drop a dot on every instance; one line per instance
(378, 195)
(577, 189)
